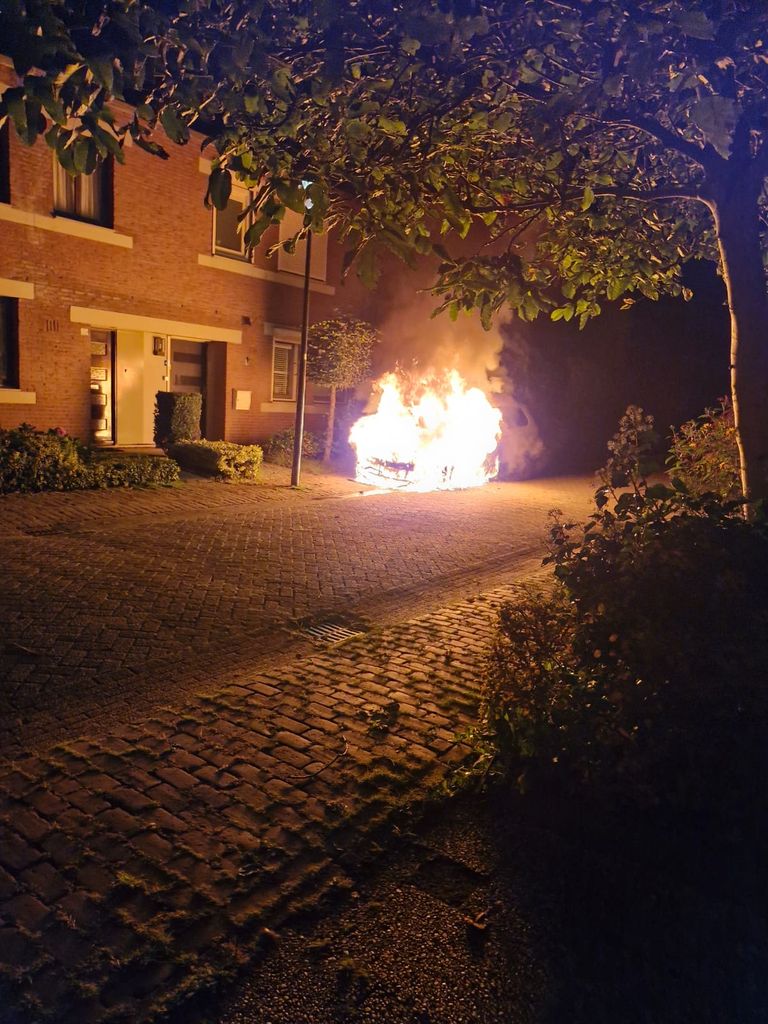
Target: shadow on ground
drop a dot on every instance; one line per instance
(506, 911)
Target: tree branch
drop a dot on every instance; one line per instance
(654, 195)
(706, 156)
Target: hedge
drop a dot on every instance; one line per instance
(132, 470)
(279, 447)
(177, 418)
(50, 460)
(219, 458)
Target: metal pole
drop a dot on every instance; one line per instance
(301, 387)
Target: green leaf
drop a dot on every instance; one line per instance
(252, 101)
(108, 144)
(54, 108)
(357, 128)
(173, 126)
(616, 288)
(282, 84)
(409, 46)
(103, 72)
(696, 25)
(613, 85)
(562, 313)
(391, 125)
(291, 195)
(13, 103)
(220, 187)
(716, 117)
(588, 199)
(367, 267)
(84, 156)
(255, 231)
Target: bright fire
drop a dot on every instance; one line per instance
(428, 434)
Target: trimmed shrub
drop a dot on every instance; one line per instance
(219, 458)
(704, 454)
(108, 470)
(642, 674)
(37, 460)
(177, 418)
(279, 447)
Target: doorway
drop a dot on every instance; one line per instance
(102, 387)
(189, 370)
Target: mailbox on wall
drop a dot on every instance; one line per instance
(241, 400)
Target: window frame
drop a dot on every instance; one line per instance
(61, 183)
(293, 374)
(242, 196)
(9, 315)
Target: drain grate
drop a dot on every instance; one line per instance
(327, 633)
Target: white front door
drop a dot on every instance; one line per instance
(141, 371)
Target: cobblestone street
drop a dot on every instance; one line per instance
(182, 767)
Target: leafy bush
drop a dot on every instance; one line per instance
(118, 470)
(177, 418)
(705, 455)
(279, 447)
(50, 460)
(36, 460)
(643, 673)
(219, 458)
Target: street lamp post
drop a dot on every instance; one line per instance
(301, 385)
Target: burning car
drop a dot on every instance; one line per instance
(429, 432)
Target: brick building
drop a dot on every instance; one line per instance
(122, 284)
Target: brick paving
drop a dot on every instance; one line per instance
(97, 607)
(142, 858)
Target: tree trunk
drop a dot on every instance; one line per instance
(738, 232)
(329, 428)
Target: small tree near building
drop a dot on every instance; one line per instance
(339, 357)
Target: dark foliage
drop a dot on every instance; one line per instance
(50, 460)
(642, 673)
(279, 447)
(705, 454)
(177, 418)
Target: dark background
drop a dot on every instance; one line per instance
(562, 390)
(670, 357)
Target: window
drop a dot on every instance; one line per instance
(229, 226)
(5, 165)
(294, 262)
(85, 196)
(284, 367)
(9, 348)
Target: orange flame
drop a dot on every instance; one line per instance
(431, 434)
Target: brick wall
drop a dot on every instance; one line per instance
(159, 204)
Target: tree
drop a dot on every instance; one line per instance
(339, 357)
(598, 145)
